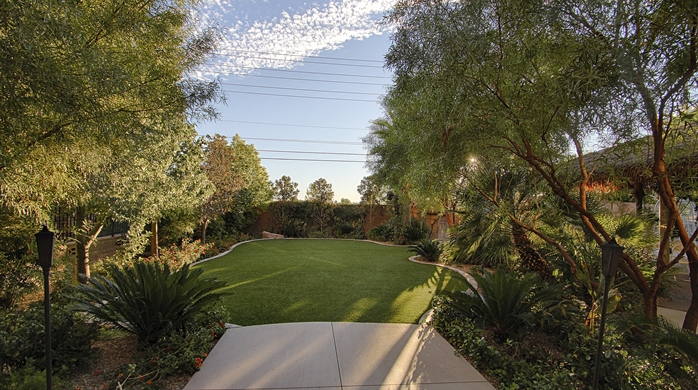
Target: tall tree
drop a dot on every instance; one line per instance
(73, 72)
(285, 189)
(531, 80)
(372, 194)
(219, 169)
(321, 196)
(320, 191)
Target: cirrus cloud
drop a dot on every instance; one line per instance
(280, 42)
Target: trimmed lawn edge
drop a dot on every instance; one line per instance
(303, 238)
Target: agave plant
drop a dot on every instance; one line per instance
(429, 250)
(147, 299)
(503, 300)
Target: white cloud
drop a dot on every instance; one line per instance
(293, 35)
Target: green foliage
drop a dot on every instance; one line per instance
(175, 353)
(504, 300)
(176, 256)
(538, 370)
(398, 232)
(23, 345)
(383, 233)
(320, 191)
(147, 299)
(348, 221)
(429, 250)
(80, 83)
(18, 275)
(562, 357)
(285, 190)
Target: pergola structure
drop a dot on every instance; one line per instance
(629, 165)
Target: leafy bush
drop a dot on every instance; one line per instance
(429, 250)
(148, 299)
(186, 253)
(563, 359)
(382, 233)
(17, 276)
(176, 353)
(492, 360)
(503, 300)
(23, 337)
(414, 232)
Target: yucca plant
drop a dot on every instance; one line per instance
(503, 300)
(429, 250)
(147, 299)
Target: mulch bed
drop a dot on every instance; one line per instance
(110, 356)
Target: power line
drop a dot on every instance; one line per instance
(302, 60)
(301, 96)
(302, 141)
(301, 89)
(300, 152)
(292, 125)
(310, 159)
(299, 55)
(312, 80)
(303, 72)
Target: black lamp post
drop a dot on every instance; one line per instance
(611, 253)
(44, 243)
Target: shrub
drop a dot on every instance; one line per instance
(17, 276)
(429, 250)
(503, 300)
(176, 353)
(382, 232)
(186, 253)
(23, 337)
(414, 232)
(148, 299)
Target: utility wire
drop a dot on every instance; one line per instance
(301, 89)
(301, 141)
(303, 72)
(310, 159)
(300, 152)
(316, 62)
(297, 55)
(292, 125)
(314, 80)
(301, 96)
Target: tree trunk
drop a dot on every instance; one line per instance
(84, 238)
(530, 258)
(690, 322)
(154, 244)
(203, 231)
(639, 195)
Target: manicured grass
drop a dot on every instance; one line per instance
(305, 280)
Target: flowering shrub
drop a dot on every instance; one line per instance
(177, 256)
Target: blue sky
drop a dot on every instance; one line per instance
(331, 51)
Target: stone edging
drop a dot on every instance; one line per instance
(286, 238)
(464, 274)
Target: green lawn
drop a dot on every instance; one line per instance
(304, 280)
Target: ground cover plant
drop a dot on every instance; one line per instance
(326, 280)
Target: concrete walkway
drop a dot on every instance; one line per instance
(334, 356)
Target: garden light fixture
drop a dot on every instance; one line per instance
(611, 253)
(45, 240)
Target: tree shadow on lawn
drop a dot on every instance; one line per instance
(387, 288)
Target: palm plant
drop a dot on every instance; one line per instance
(496, 203)
(147, 299)
(503, 300)
(429, 250)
